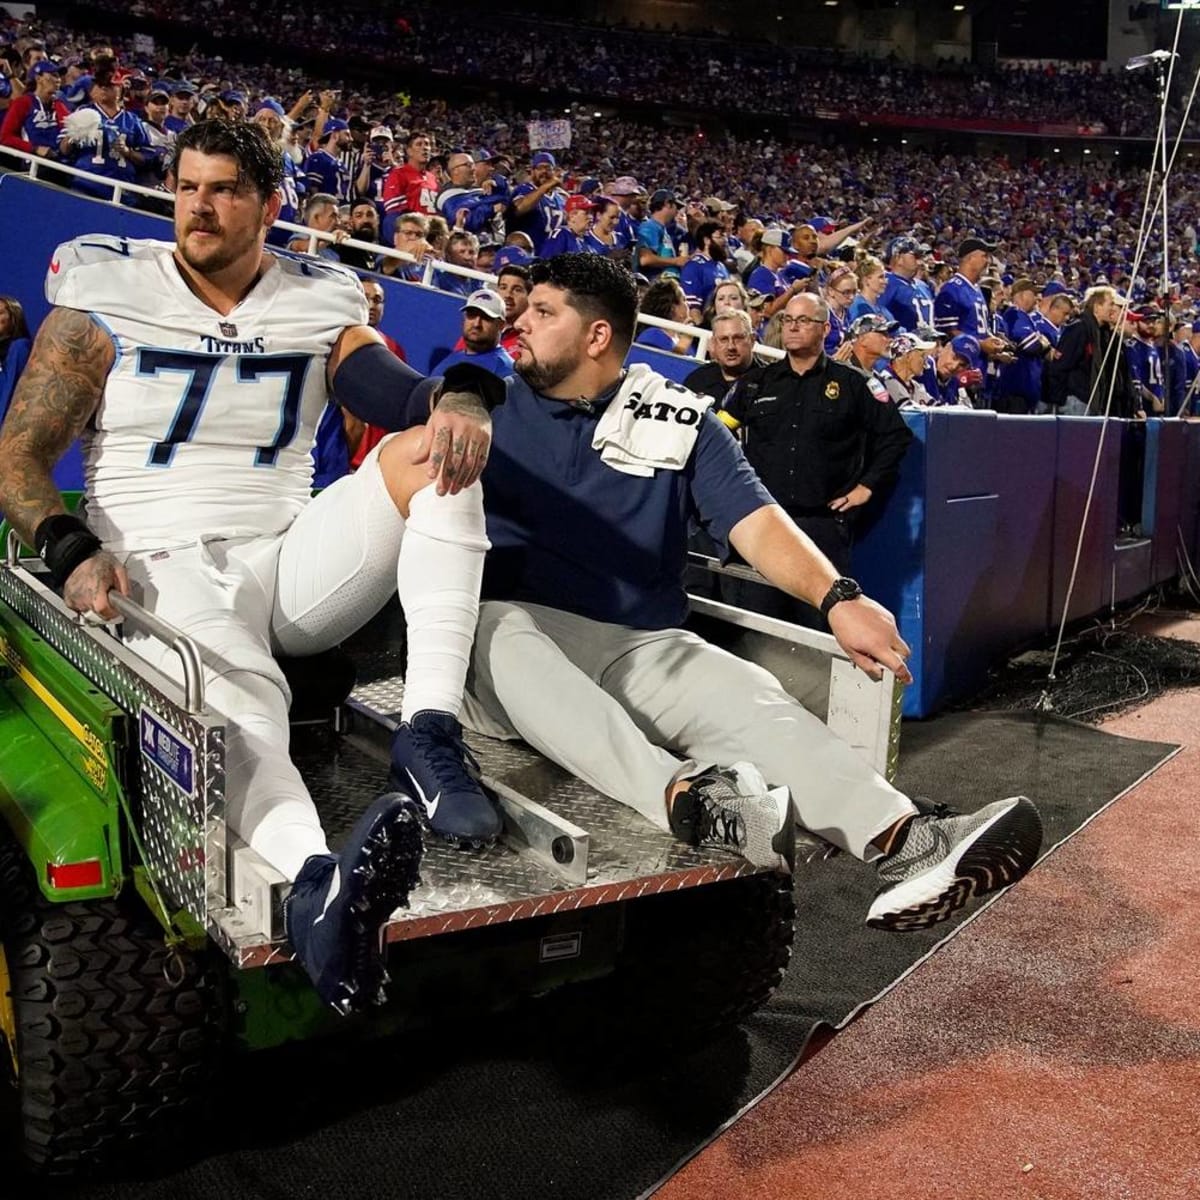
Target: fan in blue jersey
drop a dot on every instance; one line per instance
(183, 100)
(571, 238)
(478, 210)
(900, 297)
(1021, 380)
(872, 283)
(706, 268)
(536, 207)
(960, 306)
(630, 197)
(1053, 311)
(102, 138)
(323, 169)
(1145, 359)
(766, 279)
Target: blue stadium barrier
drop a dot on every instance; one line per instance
(1163, 495)
(1077, 440)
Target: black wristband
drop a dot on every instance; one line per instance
(466, 377)
(62, 543)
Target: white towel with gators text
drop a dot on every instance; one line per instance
(651, 424)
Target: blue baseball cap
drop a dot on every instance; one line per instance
(588, 186)
(183, 87)
(44, 67)
(334, 125)
(967, 347)
(232, 96)
(543, 158)
(272, 105)
(1055, 288)
(511, 256)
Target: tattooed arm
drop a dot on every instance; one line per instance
(370, 382)
(55, 398)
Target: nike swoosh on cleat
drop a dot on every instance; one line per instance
(431, 806)
(334, 888)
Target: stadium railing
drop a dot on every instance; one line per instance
(45, 171)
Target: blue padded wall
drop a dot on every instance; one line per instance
(1078, 438)
(1163, 493)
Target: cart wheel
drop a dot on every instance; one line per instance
(110, 1037)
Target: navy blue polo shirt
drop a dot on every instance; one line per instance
(570, 532)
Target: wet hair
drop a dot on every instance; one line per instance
(597, 288)
(259, 162)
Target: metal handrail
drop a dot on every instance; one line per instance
(180, 643)
(135, 614)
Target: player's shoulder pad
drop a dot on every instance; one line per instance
(336, 288)
(85, 270)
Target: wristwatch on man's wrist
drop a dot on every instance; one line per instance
(842, 589)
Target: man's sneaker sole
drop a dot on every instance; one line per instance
(994, 856)
(391, 860)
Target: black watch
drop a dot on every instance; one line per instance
(842, 589)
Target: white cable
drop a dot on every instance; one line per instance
(1115, 343)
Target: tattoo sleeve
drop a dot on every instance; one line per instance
(55, 397)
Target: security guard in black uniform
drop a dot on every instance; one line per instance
(824, 438)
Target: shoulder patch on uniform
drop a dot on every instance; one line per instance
(878, 390)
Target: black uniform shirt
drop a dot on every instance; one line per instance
(813, 437)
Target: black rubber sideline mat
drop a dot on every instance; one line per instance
(497, 1108)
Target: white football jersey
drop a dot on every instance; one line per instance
(207, 422)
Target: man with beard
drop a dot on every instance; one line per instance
(196, 373)
(705, 269)
(583, 596)
(363, 227)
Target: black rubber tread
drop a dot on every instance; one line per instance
(695, 962)
(1001, 855)
(111, 1055)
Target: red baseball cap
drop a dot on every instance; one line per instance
(579, 203)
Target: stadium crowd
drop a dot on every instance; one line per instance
(980, 262)
(646, 65)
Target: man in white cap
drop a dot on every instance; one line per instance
(483, 321)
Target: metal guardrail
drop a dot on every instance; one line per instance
(431, 267)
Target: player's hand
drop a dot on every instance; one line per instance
(854, 498)
(456, 441)
(87, 587)
(868, 634)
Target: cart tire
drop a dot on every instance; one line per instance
(695, 962)
(117, 1037)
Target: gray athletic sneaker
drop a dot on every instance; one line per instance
(733, 807)
(945, 860)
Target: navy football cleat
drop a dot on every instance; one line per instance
(430, 760)
(336, 910)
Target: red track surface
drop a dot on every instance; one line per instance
(1050, 1051)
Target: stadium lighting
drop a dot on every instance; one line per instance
(959, 7)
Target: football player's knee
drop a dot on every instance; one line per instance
(403, 477)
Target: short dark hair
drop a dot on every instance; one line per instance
(516, 270)
(661, 298)
(259, 161)
(597, 288)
